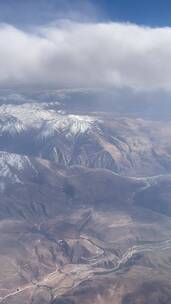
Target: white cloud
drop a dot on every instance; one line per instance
(97, 55)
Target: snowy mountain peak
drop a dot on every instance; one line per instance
(18, 118)
(11, 165)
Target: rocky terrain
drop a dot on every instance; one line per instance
(85, 212)
(128, 146)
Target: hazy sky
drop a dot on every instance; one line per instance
(69, 44)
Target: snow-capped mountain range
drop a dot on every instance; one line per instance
(127, 146)
(19, 118)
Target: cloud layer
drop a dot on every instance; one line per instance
(100, 55)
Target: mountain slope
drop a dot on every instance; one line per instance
(132, 147)
(61, 227)
(85, 213)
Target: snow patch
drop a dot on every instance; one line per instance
(11, 166)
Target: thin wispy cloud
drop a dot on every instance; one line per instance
(71, 55)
